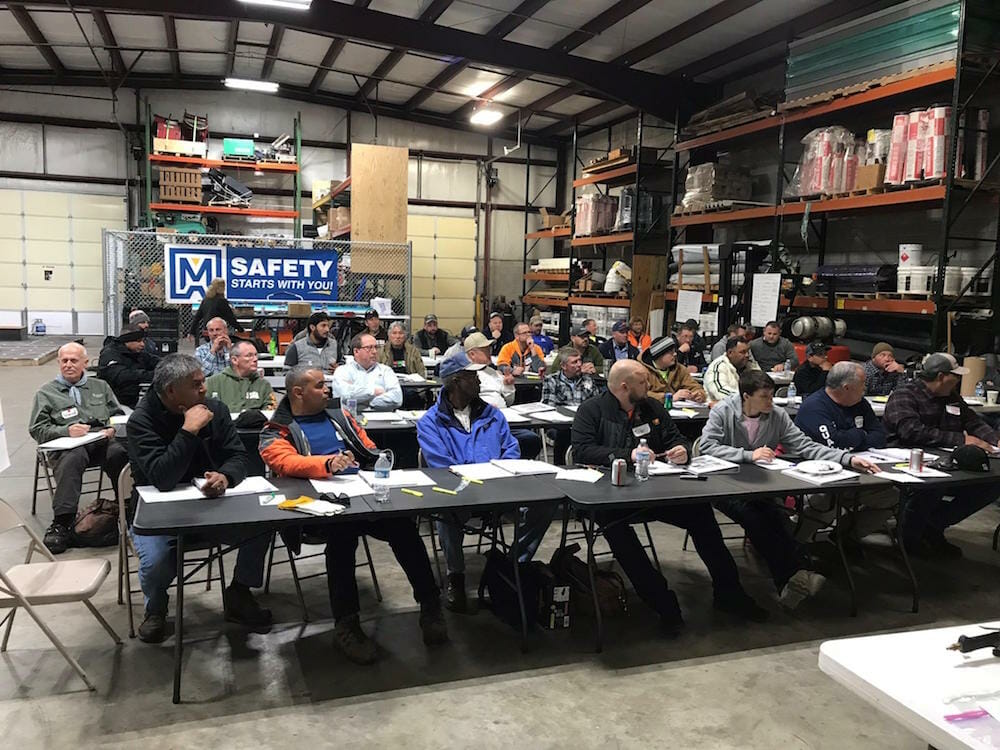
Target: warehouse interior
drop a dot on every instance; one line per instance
(729, 137)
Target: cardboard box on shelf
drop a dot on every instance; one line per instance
(179, 148)
(551, 221)
(323, 187)
(299, 309)
(338, 218)
(870, 176)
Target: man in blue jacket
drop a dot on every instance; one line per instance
(839, 416)
(461, 428)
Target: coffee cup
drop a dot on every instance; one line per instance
(991, 397)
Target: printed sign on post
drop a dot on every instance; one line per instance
(766, 293)
(252, 274)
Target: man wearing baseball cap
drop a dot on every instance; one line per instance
(811, 376)
(618, 346)
(431, 340)
(665, 375)
(373, 325)
(928, 412)
(590, 355)
(882, 372)
(545, 343)
(496, 333)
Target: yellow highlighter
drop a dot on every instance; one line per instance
(415, 493)
(442, 489)
(474, 481)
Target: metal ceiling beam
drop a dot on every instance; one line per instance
(27, 24)
(110, 43)
(294, 93)
(659, 95)
(234, 37)
(431, 14)
(171, 29)
(506, 25)
(332, 53)
(277, 33)
(588, 114)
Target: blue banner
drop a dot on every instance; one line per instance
(252, 274)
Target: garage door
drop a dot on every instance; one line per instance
(444, 270)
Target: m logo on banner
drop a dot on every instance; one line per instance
(190, 270)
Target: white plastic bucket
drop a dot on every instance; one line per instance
(910, 255)
(915, 280)
(982, 287)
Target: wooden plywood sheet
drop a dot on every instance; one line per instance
(378, 193)
(649, 277)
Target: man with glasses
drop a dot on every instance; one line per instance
(240, 386)
(363, 379)
(522, 354)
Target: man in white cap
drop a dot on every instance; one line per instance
(928, 412)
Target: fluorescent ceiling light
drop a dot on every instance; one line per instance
(269, 87)
(486, 116)
(288, 4)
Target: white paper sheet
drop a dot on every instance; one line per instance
(764, 303)
(68, 443)
(401, 478)
(412, 414)
(553, 416)
(523, 466)
(150, 494)
(320, 508)
(514, 417)
(580, 475)
(898, 454)
(246, 487)
(530, 408)
(481, 472)
(925, 471)
(117, 419)
(776, 464)
(688, 305)
(684, 403)
(571, 407)
(351, 485)
(271, 499)
(382, 416)
(412, 377)
(708, 464)
(819, 480)
(679, 414)
(665, 468)
(898, 476)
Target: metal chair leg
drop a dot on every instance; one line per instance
(222, 571)
(298, 585)
(371, 567)
(996, 537)
(128, 592)
(9, 619)
(270, 563)
(684, 547)
(434, 551)
(104, 623)
(34, 486)
(652, 547)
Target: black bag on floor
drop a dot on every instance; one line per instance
(612, 596)
(498, 578)
(97, 524)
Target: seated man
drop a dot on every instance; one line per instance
(461, 428)
(240, 386)
(317, 348)
(608, 427)
(373, 325)
(747, 427)
(811, 374)
(735, 331)
(431, 340)
(590, 355)
(665, 375)
(928, 412)
(883, 374)
(496, 334)
(213, 355)
(125, 365)
(372, 385)
(495, 389)
(618, 346)
(591, 325)
(307, 440)
(71, 406)
(545, 343)
(521, 355)
(637, 335)
(722, 378)
(175, 436)
(141, 319)
(568, 386)
(400, 355)
(773, 351)
(689, 352)
(838, 416)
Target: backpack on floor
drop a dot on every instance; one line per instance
(498, 576)
(97, 524)
(612, 595)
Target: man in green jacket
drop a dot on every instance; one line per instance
(239, 386)
(400, 354)
(75, 405)
(590, 355)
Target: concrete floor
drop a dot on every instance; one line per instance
(723, 684)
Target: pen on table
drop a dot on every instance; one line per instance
(415, 493)
(474, 481)
(977, 713)
(442, 489)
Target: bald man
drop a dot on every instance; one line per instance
(214, 354)
(74, 405)
(611, 426)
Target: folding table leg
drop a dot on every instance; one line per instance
(898, 541)
(588, 531)
(179, 620)
(843, 558)
(565, 525)
(517, 583)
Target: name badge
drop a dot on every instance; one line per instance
(952, 409)
(640, 430)
(69, 413)
(252, 394)
(859, 421)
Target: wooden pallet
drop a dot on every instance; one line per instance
(858, 193)
(716, 206)
(914, 185)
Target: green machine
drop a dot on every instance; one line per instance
(237, 148)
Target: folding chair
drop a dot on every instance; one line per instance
(33, 584)
(43, 469)
(695, 451)
(126, 550)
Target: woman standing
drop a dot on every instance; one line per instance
(215, 305)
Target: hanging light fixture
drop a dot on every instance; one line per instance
(485, 114)
(245, 84)
(287, 4)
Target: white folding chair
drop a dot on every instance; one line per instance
(44, 470)
(31, 585)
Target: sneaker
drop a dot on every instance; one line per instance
(455, 599)
(241, 607)
(153, 629)
(58, 538)
(352, 641)
(803, 584)
(432, 623)
(740, 604)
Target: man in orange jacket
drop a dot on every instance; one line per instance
(522, 354)
(305, 439)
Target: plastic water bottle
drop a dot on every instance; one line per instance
(981, 390)
(642, 461)
(788, 365)
(272, 346)
(381, 485)
(792, 392)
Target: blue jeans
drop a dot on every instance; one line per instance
(533, 523)
(925, 513)
(158, 563)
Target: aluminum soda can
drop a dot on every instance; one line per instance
(619, 472)
(916, 459)
(668, 400)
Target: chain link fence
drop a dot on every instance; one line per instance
(134, 275)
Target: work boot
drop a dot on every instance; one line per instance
(432, 622)
(241, 607)
(58, 538)
(455, 599)
(740, 604)
(671, 619)
(352, 641)
(802, 585)
(153, 628)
